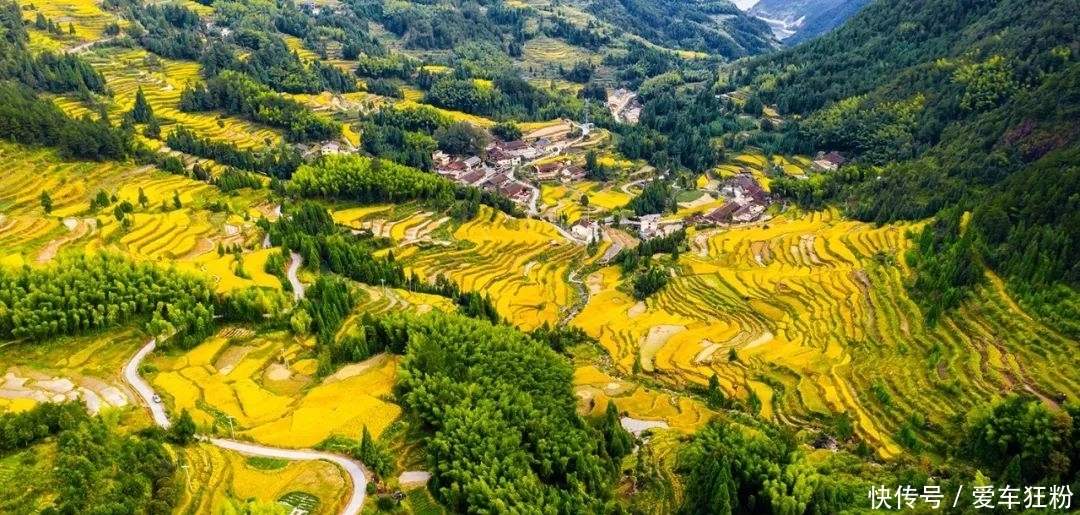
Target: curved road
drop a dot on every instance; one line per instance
(297, 286)
(161, 418)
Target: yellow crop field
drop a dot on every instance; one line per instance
(596, 389)
(295, 44)
(548, 50)
(559, 199)
(522, 264)
(215, 477)
(162, 80)
(789, 166)
(154, 232)
(804, 315)
(241, 376)
(412, 101)
(342, 404)
(86, 365)
(87, 17)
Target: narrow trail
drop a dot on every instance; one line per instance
(584, 296)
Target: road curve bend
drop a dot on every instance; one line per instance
(294, 265)
(352, 467)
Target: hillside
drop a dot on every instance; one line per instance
(970, 102)
(535, 256)
(794, 21)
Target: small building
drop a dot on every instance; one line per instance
(502, 159)
(548, 171)
(650, 224)
(574, 173)
(515, 191)
(330, 147)
(823, 165)
(473, 162)
(833, 157)
(516, 147)
(724, 214)
(745, 185)
(472, 178)
(586, 230)
(748, 213)
(498, 180)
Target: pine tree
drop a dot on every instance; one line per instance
(367, 446)
(142, 112)
(176, 200)
(715, 397)
(183, 431)
(153, 128)
(71, 28)
(46, 202)
(143, 200)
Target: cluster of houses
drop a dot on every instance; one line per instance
(559, 171)
(508, 154)
(748, 202)
(473, 171)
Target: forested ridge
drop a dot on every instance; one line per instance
(501, 411)
(970, 107)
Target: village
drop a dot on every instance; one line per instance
(518, 170)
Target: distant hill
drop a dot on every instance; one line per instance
(712, 26)
(794, 21)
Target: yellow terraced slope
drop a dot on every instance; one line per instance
(817, 314)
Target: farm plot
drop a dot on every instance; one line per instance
(162, 81)
(809, 317)
(86, 17)
(262, 387)
(521, 264)
(84, 367)
(565, 199)
(156, 230)
(215, 478)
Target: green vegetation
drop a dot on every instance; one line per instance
(89, 293)
(374, 181)
(984, 123)
(45, 71)
(236, 93)
(500, 412)
(264, 463)
(79, 464)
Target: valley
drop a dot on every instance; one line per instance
(563, 257)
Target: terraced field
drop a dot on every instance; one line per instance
(83, 366)
(214, 477)
(185, 236)
(162, 80)
(816, 313)
(522, 264)
(595, 389)
(242, 377)
(565, 199)
(86, 15)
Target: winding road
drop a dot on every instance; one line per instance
(294, 265)
(161, 418)
(146, 393)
